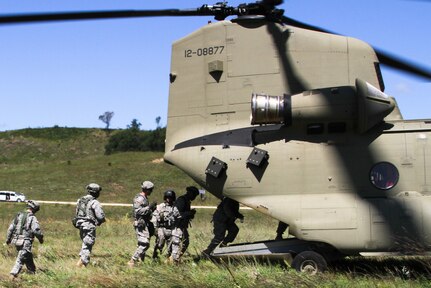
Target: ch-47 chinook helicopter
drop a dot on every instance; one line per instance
(291, 120)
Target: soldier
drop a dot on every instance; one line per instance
(144, 228)
(89, 215)
(224, 220)
(281, 228)
(166, 218)
(21, 233)
(183, 203)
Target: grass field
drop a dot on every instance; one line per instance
(57, 163)
(56, 259)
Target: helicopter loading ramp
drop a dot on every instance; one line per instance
(271, 249)
(304, 256)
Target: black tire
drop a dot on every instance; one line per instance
(19, 200)
(309, 262)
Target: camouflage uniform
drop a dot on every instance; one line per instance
(166, 218)
(144, 228)
(224, 220)
(87, 226)
(181, 236)
(26, 224)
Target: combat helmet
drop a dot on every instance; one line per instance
(147, 185)
(93, 189)
(33, 205)
(170, 194)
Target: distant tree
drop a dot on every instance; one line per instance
(106, 118)
(158, 118)
(134, 125)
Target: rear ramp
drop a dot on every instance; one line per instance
(284, 249)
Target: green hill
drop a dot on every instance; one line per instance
(56, 164)
(50, 144)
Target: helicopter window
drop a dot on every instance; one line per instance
(316, 128)
(384, 175)
(337, 127)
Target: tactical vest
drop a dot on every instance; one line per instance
(83, 207)
(167, 218)
(144, 203)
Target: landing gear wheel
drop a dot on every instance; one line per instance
(309, 262)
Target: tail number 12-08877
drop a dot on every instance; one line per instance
(213, 50)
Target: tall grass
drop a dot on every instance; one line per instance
(116, 242)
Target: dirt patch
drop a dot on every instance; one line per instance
(157, 161)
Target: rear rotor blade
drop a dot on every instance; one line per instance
(402, 64)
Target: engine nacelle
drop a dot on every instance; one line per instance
(364, 105)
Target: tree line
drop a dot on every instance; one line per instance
(135, 139)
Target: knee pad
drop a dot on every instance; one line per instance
(88, 240)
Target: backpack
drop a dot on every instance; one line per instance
(19, 225)
(81, 210)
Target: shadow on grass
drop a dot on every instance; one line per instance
(402, 267)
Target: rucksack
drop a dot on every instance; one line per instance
(19, 225)
(81, 210)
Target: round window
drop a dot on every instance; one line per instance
(384, 175)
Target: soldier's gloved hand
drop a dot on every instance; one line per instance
(153, 206)
(7, 242)
(41, 240)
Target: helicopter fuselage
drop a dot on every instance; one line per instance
(337, 162)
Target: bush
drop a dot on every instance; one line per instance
(133, 139)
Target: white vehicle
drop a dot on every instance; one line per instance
(11, 196)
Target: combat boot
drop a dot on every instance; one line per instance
(168, 260)
(223, 244)
(12, 277)
(80, 264)
(131, 263)
(206, 254)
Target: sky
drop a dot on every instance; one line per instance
(69, 73)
